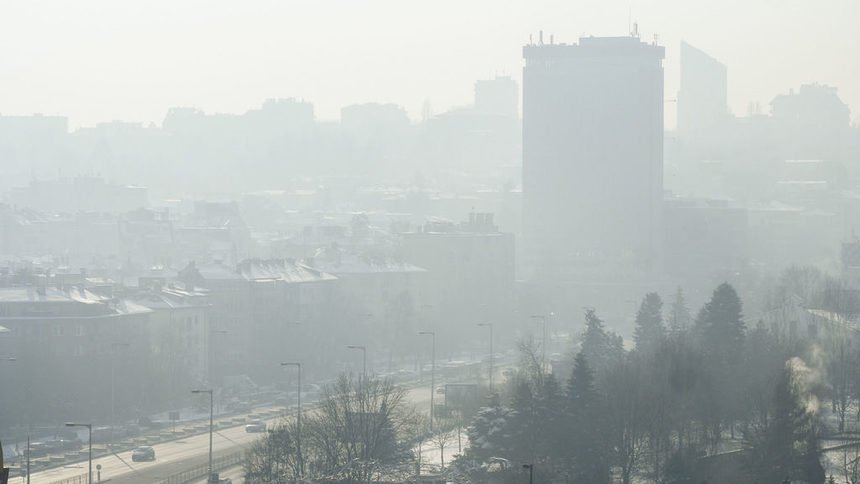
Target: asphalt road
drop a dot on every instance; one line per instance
(170, 458)
(178, 455)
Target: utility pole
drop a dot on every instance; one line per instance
(531, 468)
(490, 325)
(298, 418)
(211, 419)
(432, 377)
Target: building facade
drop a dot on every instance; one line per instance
(592, 157)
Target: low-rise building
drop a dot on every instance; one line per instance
(74, 349)
(262, 312)
(179, 335)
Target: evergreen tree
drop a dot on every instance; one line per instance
(601, 348)
(581, 389)
(679, 314)
(649, 330)
(720, 325)
(720, 329)
(589, 454)
(490, 433)
(523, 421)
(550, 421)
(787, 443)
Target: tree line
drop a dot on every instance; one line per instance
(688, 400)
(695, 399)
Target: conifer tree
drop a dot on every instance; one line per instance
(600, 347)
(587, 435)
(649, 332)
(720, 325)
(679, 314)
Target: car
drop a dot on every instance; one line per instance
(255, 426)
(214, 478)
(143, 453)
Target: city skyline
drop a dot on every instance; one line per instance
(130, 62)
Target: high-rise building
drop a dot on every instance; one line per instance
(702, 105)
(592, 158)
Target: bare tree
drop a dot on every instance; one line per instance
(361, 432)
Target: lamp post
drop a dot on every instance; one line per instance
(531, 468)
(490, 325)
(363, 358)
(298, 417)
(12, 359)
(432, 376)
(90, 432)
(543, 321)
(216, 373)
(211, 408)
(113, 348)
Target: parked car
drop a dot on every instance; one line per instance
(255, 426)
(143, 453)
(59, 445)
(37, 449)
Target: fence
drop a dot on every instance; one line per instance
(201, 471)
(81, 479)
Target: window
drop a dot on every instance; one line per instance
(58, 330)
(79, 330)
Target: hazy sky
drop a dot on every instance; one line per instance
(98, 60)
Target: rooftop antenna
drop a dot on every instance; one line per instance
(551, 39)
(635, 30)
(531, 39)
(540, 37)
(629, 21)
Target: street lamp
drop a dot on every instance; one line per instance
(113, 348)
(90, 431)
(432, 376)
(211, 408)
(490, 325)
(531, 468)
(12, 359)
(298, 417)
(543, 320)
(363, 358)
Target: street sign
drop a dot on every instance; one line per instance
(174, 416)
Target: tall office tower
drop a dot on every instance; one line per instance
(702, 106)
(592, 159)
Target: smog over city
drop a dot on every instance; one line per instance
(477, 242)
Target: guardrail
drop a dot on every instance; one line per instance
(81, 479)
(202, 471)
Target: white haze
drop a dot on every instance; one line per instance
(99, 60)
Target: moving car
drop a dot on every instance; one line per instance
(255, 426)
(143, 453)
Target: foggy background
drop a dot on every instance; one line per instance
(649, 207)
(96, 61)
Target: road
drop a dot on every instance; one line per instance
(171, 457)
(178, 455)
